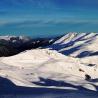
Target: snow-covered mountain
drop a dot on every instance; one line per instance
(77, 44)
(52, 74)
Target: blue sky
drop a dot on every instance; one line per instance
(48, 17)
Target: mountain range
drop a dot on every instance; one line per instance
(68, 67)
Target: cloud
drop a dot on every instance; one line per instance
(42, 27)
(48, 23)
(21, 23)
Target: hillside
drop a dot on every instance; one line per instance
(77, 44)
(48, 72)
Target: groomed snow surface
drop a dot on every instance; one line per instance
(66, 69)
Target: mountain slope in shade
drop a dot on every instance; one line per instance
(11, 45)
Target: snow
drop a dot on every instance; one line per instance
(45, 68)
(74, 44)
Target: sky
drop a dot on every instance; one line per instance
(47, 17)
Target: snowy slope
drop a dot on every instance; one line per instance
(45, 68)
(30, 65)
(77, 45)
